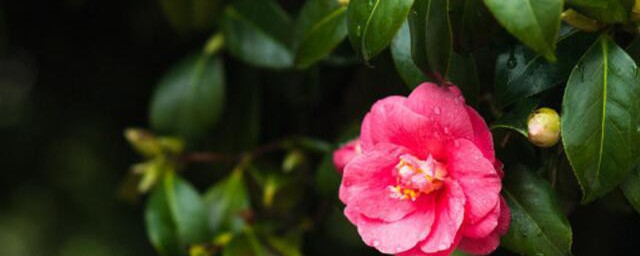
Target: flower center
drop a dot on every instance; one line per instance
(415, 177)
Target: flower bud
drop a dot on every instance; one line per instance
(544, 127)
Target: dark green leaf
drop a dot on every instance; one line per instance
(601, 118)
(190, 98)
(436, 27)
(608, 11)
(522, 73)
(517, 118)
(175, 216)
(538, 226)
(226, 201)
(321, 27)
(534, 22)
(185, 15)
(259, 33)
(373, 24)
(401, 53)
(631, 188)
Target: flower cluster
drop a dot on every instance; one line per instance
(423, 178)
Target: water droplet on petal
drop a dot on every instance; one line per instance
(436, 110)
(446, 130)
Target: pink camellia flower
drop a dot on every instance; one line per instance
(346, 153)
(427, 181)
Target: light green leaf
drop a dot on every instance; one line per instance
(401, 53)
(321, 26)
(538, 226)
(534, 22)
(373, 24)
(225, 202)
(601, 118)
(258, 32)
(608, 11)
(189, 99)
(175, 216)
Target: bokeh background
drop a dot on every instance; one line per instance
(75, 73)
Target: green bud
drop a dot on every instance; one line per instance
(143, 141)
(293, 160)
(544, 127)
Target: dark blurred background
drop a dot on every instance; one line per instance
(75, 73)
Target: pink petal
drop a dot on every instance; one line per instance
(366, 180)
(482, 135)
(480, 246)
(489, 243)
(390, 121)
(450, 208)
(397, 236)
(443, 106)
(485, 226)
(345, 154)
(477, 177)
(505, 218)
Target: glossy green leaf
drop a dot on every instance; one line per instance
(631, 188)
(225, 202)
(321, 26)
(608, 11)
(175, 216)
(258, 32)
(401, 53)
(521, 73)
(373, 24)
(517, 118)
(538, 226)
(601, 118)
(190, 98)
(437, 28)
(186, 15)
(534, 22)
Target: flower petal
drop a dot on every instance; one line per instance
(397, 236)
(450, 208)
(345, 154)
(485, 226)
(366, 180)
(489, 243)
(482, 135)
(477, 177)
(444, 106)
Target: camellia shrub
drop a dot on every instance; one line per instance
(405, 127)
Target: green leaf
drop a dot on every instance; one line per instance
(321, 26)
(190, 98)
(601, 118)
(373, 24)
(517, 118)
(401, 53)
(437, 28)
(175, 216)
(538, 226)
(226, 201)
(534, 22)
(258, 32)
(246, 244)
(186, 15)
(521, 73)
(608, 11)
(631, 188)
